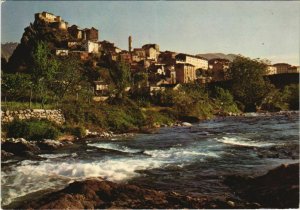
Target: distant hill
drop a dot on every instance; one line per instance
(209, 56)
(7, 49)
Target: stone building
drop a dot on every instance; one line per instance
(197, 62)
(83, 34)
(294, 69)
(53, 20)
(109, 47)
(167, 57)
(90, 34)
(140, 53)
(91, 47)
(282, 68)
(185, 73)
(151, 51)
(61, 52)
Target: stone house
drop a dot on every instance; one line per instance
(140, 53)
(83, 34)
(61, 52)
(197, 62)
(91, 47)
(151, 51)
(282, 68)
(90, 34)
(294, 69)
(185, 73)
(167, 57)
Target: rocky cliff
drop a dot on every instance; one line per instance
(21, 59)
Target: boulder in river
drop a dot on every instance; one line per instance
(279, 188)
(186, 124)
(19, 147)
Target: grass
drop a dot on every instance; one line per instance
(16, 105)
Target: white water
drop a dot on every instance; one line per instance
(239, 141)
(32, 176)
(113, 146)
(19, 179)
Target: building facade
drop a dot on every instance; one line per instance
(91, 47)
(282, 68)
(185, 73)
(197, 62)
(53, 20)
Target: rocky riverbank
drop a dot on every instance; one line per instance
(279, 188)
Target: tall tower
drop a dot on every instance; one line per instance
(129, 43)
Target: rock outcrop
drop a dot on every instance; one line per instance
(279, 188)
(100, 194)
(40, 30)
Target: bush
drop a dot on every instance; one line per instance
(32, 130)
(164, 116)
(78, 131)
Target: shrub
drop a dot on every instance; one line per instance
(32, 130)
(78, 131)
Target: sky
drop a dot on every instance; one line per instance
(267, 30)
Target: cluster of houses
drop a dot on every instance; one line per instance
(164, 68)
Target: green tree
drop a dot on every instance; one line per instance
(121, 77)
(66, 78)
(291, 96)
(15, 86)
(44, 70)
(248, 84)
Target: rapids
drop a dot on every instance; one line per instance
(184, 159)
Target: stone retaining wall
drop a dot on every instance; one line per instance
(51, 115)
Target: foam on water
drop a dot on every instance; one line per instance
(32, 176)
(52, 156)
(180, 155)
(239, 141)
(28, 178)
(113, 146)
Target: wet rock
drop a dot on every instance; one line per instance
(50, 144)
(186, 124)
(97, 193)
(6, 155)
(279, 188)
(231, 203)
(19, 147)
(280, 151)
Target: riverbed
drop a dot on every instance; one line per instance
(192, 159)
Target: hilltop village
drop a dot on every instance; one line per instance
(164, 68)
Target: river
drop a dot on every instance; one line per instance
(185, 159)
